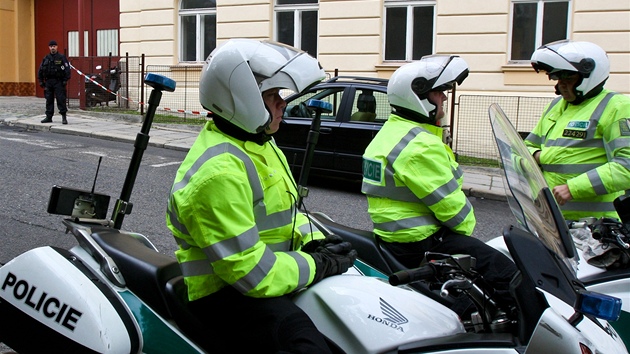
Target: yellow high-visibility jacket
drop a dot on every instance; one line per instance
(413, 183)
(587, 147)
(232, 211)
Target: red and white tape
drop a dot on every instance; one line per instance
(202, 113)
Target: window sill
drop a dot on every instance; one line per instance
(518, 74)
(386, 69)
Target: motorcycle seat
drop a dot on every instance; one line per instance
(145, 270)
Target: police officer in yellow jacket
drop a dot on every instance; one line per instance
(412, 181)
(243, 245)
(582, 141)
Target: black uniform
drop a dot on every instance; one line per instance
(53, 74)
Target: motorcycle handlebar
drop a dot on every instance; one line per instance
(410, 275)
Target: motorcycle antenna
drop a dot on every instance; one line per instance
(98, 167)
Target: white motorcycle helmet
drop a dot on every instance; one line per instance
(236, 73)
(585, 58)
(409, 86)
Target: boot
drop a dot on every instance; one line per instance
(47, 120)
(63, 119)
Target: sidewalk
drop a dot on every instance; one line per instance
(27, 112)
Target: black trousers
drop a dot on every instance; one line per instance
(244, 324)
(494, 266)
(54, 88)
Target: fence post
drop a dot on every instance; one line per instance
(452, 122)
(127, 80)
(142, 85)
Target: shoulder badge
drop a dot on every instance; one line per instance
(372, 170)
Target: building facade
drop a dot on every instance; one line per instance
(374, 37)
(352, 37)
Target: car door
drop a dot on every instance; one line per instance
(293, 133)
(357, 131)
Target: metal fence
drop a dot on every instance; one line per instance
(130, 71)
(472, 133)
(184, 101)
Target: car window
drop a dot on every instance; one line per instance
(296, 107)
(370, 106)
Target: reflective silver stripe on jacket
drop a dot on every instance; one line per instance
(231, 246)
(596, 182)
(407, 223)
(459, 217)
(623, 161)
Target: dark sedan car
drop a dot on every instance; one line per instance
(359, 109)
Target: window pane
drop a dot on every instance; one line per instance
(292, 2)
(189, 34)
(555, 19)
(198, 4)
(309, 32)
(107, 42)
(285, 27)
(422, 31)
(523, 31)
(209, 34)
(395, 33)
(73, 43)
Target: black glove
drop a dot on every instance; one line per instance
(64, 83)
(311, 246)
(332, 259)
(42, 84)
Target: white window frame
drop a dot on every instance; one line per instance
(409, 29)
(297, 10)
(199, 35)
(539, 24)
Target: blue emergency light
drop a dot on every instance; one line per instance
(599, 305)
(326, 107)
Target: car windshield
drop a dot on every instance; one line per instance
(527, 192)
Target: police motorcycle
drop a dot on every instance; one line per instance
(109, 79)
(603, 243)
(115, 293)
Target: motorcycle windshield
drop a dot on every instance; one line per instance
(527, 192)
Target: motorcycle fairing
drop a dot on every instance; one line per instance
(66, 302)
(158, 335)
(367, 315)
